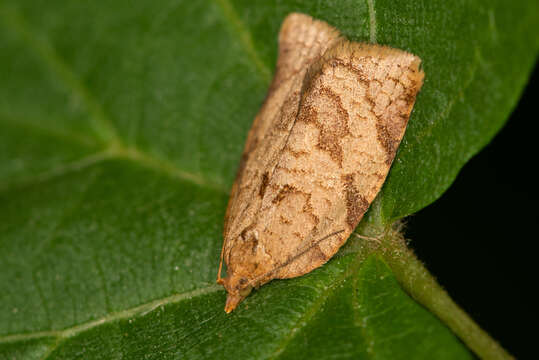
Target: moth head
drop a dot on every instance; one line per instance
(243, 267)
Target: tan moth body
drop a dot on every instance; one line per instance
(317, 154)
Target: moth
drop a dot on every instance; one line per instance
(317, 153)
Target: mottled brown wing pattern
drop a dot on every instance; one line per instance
(354, 110)
(302, 40)
(317, 155)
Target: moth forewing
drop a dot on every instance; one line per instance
(317, 154)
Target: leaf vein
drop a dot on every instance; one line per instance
(101, 275)
(42, 298)
(55, 63)
(132, 154)
(111, 317)
(245, 38)
(313, 309)
(372, 21)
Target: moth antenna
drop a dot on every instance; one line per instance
(293, 258)
(219, 279)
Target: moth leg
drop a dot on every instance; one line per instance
(375, 239)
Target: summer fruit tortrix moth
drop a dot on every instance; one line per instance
(317, 153)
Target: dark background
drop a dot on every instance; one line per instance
(479, 239)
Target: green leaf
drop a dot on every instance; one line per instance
(121, 127)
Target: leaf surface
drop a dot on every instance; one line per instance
(121, 127)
